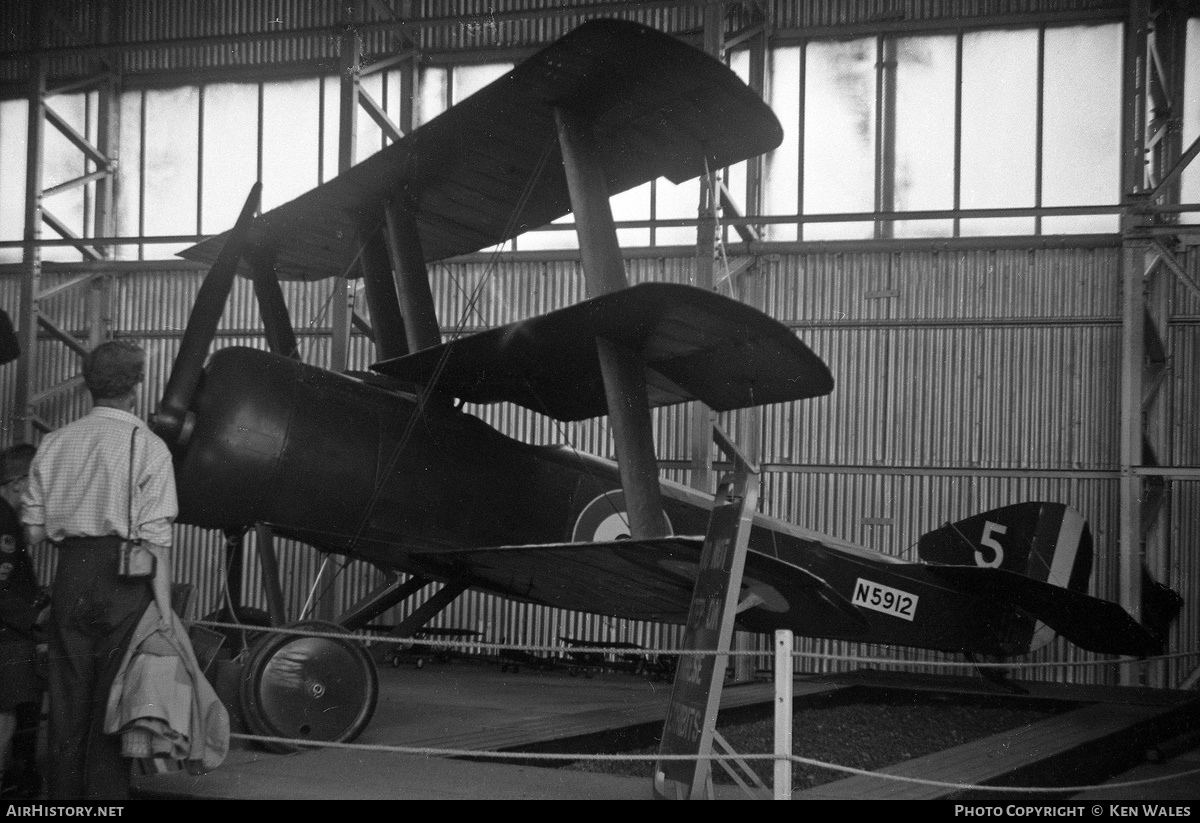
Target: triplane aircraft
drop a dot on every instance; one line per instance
(390, 469)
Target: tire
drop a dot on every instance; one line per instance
(316, 689)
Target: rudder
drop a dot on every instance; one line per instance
(1045, 541)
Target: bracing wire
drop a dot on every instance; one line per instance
(426, 392)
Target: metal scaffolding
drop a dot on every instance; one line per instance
(1151, 235)
(36, 304)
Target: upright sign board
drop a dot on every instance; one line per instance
(696, 694)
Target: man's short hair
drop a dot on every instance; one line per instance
(113, 369)
(14, 462)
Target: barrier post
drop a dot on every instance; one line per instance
(783, 714)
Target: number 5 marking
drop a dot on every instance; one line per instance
(987, 540)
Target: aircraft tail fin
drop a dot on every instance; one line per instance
(1051, 543)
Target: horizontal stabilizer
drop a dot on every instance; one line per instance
(1090, 623)
(695, 344)
(489, 168)
(651, 579)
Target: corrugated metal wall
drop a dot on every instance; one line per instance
(965, 379)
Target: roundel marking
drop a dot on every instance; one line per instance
(605, 519)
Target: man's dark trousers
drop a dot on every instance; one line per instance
(92, 616)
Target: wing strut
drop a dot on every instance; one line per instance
(412, 280)
(281, 337)
(391, 339)
(623, 373)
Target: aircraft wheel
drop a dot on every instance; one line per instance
(308, 688)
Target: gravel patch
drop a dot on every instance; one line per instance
(856, 727)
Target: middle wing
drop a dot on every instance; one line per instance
(696, 345)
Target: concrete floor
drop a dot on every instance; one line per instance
(467, 705)
(457, 705)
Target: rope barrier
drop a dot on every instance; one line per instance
(640, 651)
(427, 751)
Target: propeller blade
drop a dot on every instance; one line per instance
(169, 422)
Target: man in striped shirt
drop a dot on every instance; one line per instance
(103, 479)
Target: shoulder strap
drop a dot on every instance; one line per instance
(132, 438)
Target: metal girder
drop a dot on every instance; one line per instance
(1152, 167)
(1171, 262)
(32, 273)
(73, 283)
(78, 140)
(1176, 170)
(353, 98)
(64, 387)
(349, 94)
(62, 335)
(76, 183)
(63, 231)
(380, 116)
(99, 197)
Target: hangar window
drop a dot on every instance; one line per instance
(967, 133)
(972, 133)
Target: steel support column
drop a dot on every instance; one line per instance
(341, 303)
(701, 418)
(97, 181)
(1152, 153)
(31, 276)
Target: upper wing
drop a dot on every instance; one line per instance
(650, 579)
(489, 168)
(696, 345)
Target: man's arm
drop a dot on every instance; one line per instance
(33, 512)
(161, 584)
(158, 506)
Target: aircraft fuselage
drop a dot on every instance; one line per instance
(355, 469)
